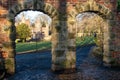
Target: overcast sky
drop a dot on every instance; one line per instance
(33, 15)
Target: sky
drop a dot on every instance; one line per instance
(79, 17)
(33, 15)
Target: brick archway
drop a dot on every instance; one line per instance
(16, 9)
(103, 12)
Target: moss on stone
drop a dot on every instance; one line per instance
(60, 53)
(110, 16)
(63, 64)
(47, 7)
(58, 28)
(112, 36)
(11, 53)
(69, 63)
(100, 7)
(71, 35)
(7, 44)
(87, 7)
(60, 63)
(10, 65)
(73, 61)
(97, 51)
(71, 48)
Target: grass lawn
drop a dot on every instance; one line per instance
(29, 46)
(86, 40)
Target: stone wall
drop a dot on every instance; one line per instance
(115, 43)
(63, 14)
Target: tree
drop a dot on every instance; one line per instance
(23, 31)
(118, 5)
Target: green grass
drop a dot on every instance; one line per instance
(29, 46)
(22, 47)
(86, 40)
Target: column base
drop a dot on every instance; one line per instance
(107, 64)
(65, 71)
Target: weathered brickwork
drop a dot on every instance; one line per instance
(63, 14)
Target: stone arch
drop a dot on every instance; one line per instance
(33, 5)
(101, 10)
(13, 11)
(90, 6)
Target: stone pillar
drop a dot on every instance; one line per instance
(63, 49)
(107, 44)
(59, 47)
(114, 46)
(71, 54)
(63, 46)
(9, 47)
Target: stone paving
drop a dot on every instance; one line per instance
(37, 66)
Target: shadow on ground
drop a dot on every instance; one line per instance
(37, 66)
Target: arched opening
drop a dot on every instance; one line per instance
(104, 13)
(11, 29)
(89, 36)
(33, 41)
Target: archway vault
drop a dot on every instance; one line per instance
(36, 5)
(105, 13)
